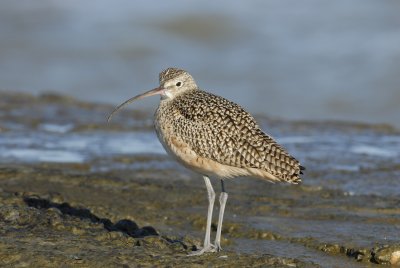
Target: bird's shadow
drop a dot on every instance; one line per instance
(126, 226)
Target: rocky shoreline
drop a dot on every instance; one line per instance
(59, 223)
(136, 214)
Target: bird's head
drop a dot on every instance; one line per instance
(173, 82)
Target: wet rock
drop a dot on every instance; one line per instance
(54, 217)
(19, 217)
(256, 234)
(358, 254)
(77, 231)
(332, 248)
(388, 254)
(153, 242)
(115, 235)
(83, 238)
(127, 226)
(133, 230)
(146, 231)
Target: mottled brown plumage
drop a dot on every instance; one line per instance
(217, 129)
(169, 74)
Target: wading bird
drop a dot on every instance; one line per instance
(216, 138)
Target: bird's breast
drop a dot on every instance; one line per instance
(165, 126)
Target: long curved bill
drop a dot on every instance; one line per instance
(155, 91)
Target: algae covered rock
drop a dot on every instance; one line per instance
(388, 254)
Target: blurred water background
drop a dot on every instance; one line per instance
(311, 59)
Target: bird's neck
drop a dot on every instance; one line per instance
(176, 96)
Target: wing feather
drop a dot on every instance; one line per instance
(221, 130)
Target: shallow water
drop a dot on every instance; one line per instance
(74, 147)
(294, 251)
(354, 161)
(354, 233)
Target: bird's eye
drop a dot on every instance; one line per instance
(178, 84)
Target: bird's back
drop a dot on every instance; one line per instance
(221, 131)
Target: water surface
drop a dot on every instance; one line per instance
(309, 60)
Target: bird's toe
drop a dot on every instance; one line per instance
(207, 249)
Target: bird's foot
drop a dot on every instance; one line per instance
(207, 249)
(218, 246)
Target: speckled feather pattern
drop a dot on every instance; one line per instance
(170, 73)
(218, 129)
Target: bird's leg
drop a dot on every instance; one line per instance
(208, 247)
(211, 199)
(222, 201)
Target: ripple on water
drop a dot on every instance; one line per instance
(74, 147)
(39, 155)
(358, 162)
(373, 151)
(58, 128)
